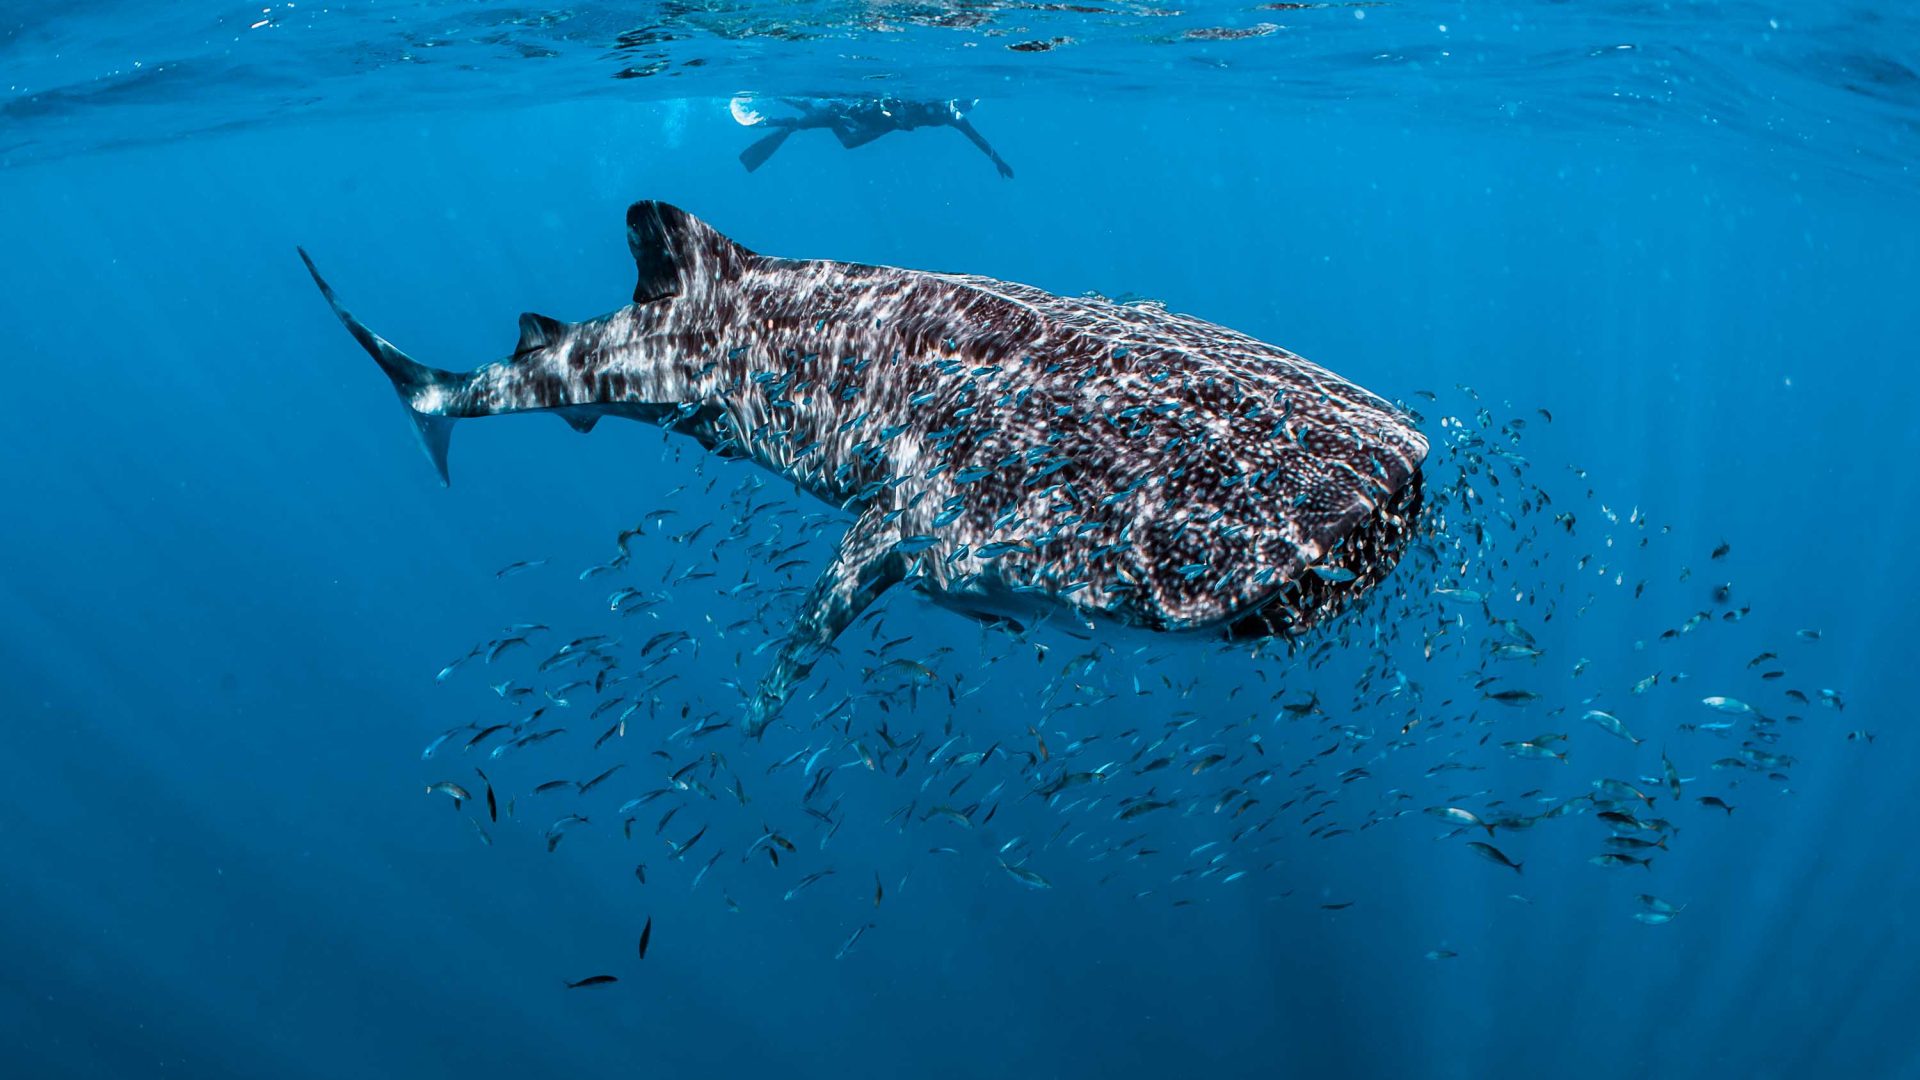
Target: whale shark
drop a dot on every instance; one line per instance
(1009, 453)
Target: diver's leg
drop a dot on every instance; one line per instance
(865, 565)
(858, 131)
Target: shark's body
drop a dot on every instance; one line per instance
(1008, 451)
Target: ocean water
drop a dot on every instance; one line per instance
(1678, 242)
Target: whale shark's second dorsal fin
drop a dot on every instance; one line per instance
(537, 332)
(670, 246)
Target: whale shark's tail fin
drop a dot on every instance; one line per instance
(410, 377)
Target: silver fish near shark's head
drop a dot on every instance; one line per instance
(1008, 452)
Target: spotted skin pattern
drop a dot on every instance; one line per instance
(1008, 452)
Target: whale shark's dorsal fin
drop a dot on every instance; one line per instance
(670, 246)
(537, 332)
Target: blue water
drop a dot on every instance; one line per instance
(227, 577)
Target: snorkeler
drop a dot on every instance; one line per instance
(856, 122)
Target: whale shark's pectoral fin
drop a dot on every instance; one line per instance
(865, 565)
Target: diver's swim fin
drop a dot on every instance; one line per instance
(756, 155)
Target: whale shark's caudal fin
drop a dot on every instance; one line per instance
(410, 377)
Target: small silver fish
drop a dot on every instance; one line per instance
(1656, 911)
(1493, 854)
(1515, 698)
(1615, 859)
(1610, 724)
(1621, 791)
(1672, 775)
(1455, 816)
(1533, 750)
(851, 941)
(1026, 877)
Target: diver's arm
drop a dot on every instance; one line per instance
(961, 125)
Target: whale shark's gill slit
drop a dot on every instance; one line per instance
(1363, 560)
(424, 391)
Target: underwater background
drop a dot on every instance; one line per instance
(1690, 232)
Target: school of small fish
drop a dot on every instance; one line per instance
(1029, 750)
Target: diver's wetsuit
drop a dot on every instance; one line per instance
(858, 122)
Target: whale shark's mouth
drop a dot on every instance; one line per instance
(1371, 552)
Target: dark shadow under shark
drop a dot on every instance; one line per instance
(1008, 452)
